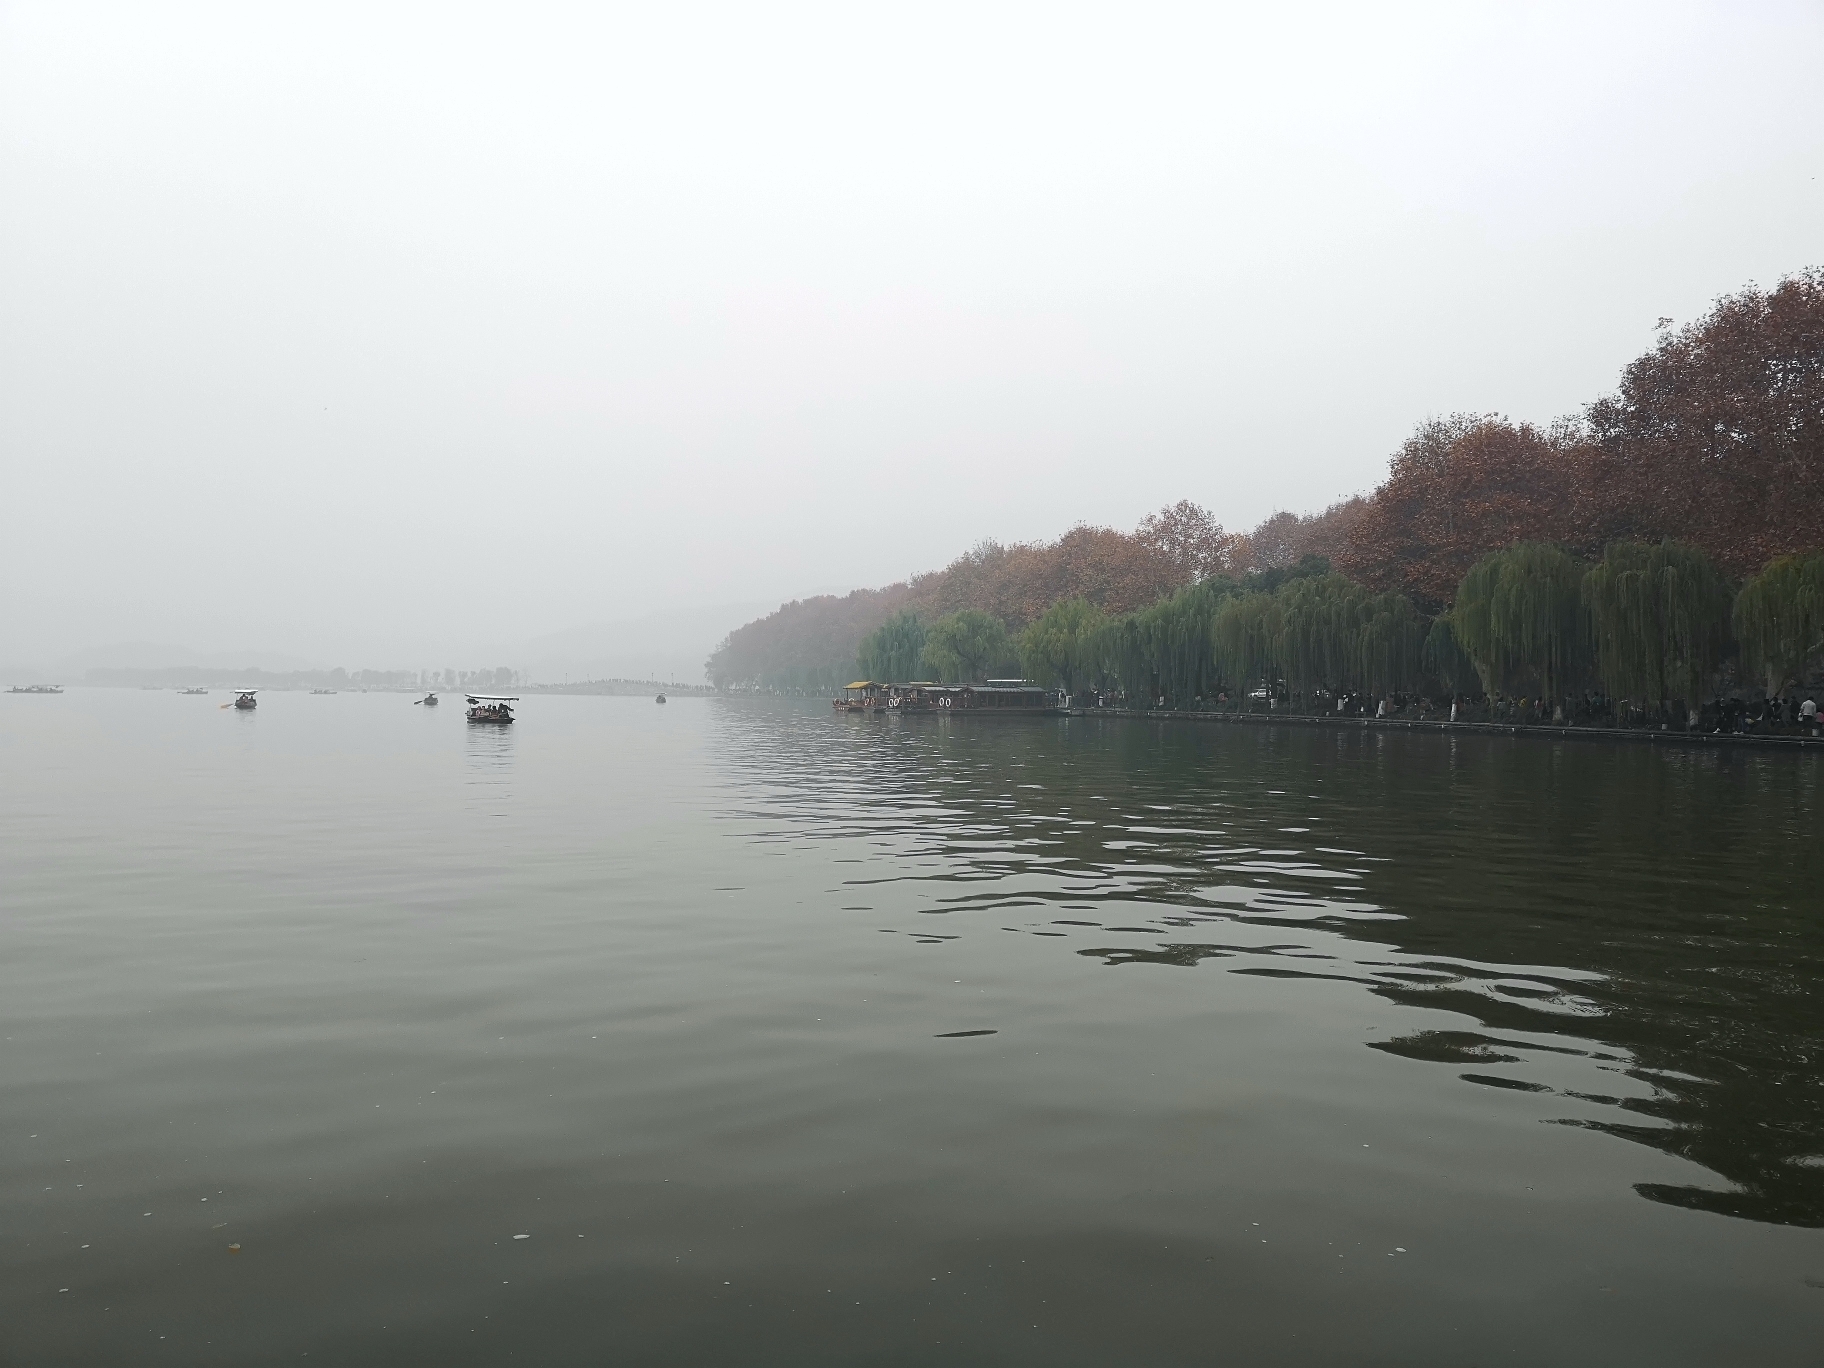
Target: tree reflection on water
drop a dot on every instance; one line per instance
(1649, 914)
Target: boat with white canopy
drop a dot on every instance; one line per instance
(491, 707)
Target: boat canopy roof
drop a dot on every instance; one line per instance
(990, 688)
(246, 692)
(494, 698)
(862, 684)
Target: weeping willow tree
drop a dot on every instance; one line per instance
(894, 651)
(1445, 659)
(1390, 644)
(1182, 642)
(1315, 631)
(964, 646)
(1327, 632)
(1064, 645)
(1244, 638)
(1121, 648)
(1660, 618)
(1779, 619)
(1519, 617)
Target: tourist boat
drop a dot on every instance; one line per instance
(998, 697)
(491, 707)
(37, 688)
(322, 691)
(244, 698)
(863, 696)
(193, 691)
(429, 701)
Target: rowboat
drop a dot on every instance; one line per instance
(244, 698)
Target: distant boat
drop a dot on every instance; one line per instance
(193, 691)
(37, 688)
(244, 698)
(660, 698)
(429, 701)
(491, 707)
(322, 691)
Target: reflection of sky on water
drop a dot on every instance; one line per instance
(1612, 928)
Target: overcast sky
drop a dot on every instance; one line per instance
(372, 333)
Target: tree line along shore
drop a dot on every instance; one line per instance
(1656, 559)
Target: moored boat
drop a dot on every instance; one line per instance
(863, 696)
(998, 697)
(491, 707)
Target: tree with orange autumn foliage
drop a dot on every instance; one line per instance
(1460, 488)
(1716, 436)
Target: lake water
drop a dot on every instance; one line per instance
(786, 1038)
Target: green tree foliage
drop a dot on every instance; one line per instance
(1519, 616)
(1390, 643)
(963, 647)
(894, 651)
(1321, 632)
(1445, 660)
(1168, 650)
(1245, 637)
(1065, 645)
(1660, 616)
(1779, 619)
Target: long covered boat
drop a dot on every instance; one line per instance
(998, 697)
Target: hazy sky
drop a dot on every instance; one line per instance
(374, 332)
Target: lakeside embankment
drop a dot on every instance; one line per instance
(1540, 729)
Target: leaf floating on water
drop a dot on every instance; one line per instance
(952, 1035)
(522, 1237)
(234, 1249)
